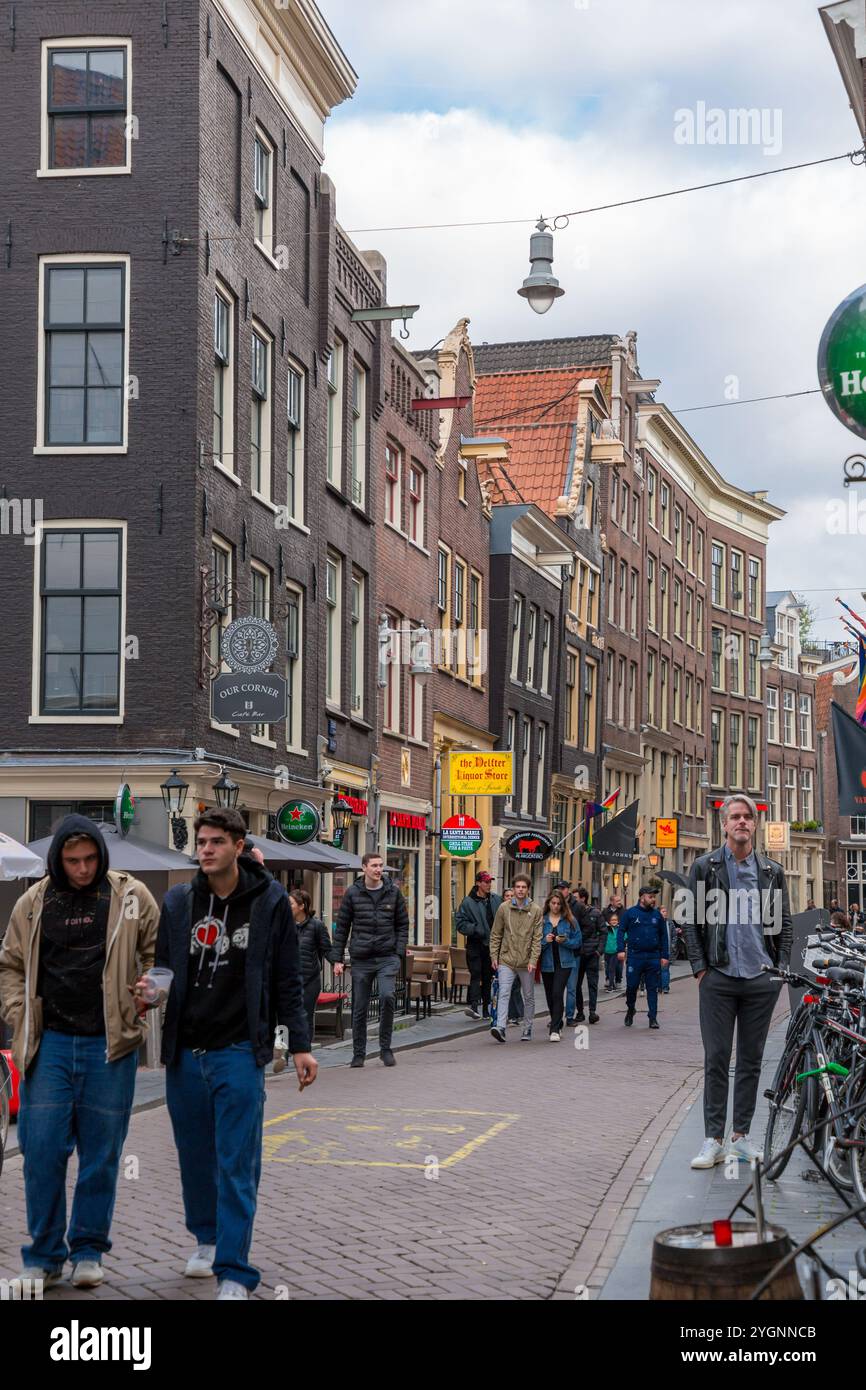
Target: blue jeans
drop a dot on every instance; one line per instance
(71, 1098)
(647, 967)
(666, 977)
(610, 968)
(571, 990)
(216, 1103)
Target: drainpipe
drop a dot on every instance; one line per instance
(437, 837)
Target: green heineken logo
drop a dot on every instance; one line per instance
(298, 822)
(842, 362)
(124, 809)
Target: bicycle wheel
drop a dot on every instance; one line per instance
(858, 1155)
(788, 1107)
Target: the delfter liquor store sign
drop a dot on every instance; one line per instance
(461, 836)
(531, 847)
(842, 362)
(298, 822)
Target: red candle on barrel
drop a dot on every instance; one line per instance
(723, 1233)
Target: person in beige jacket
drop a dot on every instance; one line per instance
(76, 944)
(515, 947)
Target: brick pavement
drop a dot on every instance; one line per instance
(540, 1150)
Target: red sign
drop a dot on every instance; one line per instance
(358, 805)
(405, 821)
(720, 801)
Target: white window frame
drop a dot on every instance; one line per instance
(531, 644)
(789, 718)
(392, 700)
(540, 754)
(334, 434)
(265, 242)
(737, 605)
(296, 439)
(590, 702)
(356, 647)
(393, 485)
(525, 750)
(416, 504)
(95, 41)
(721, 569)
(790, 791)
(267, 416)
(416, 709)
(772, 714)
(295, 678)
(804, 712)
(75, 524)
(546, 634)
(83, 259)
(516, 624)
(807, 792)
(225, 365)
(359, 435)
(334, 630)
(773, 800)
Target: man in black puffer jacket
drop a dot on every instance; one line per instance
(374, 922)
(593, 930)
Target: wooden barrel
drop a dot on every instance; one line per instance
(687, 1264)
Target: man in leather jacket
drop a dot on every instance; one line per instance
(737, 921)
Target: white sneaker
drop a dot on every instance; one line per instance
(555, 1037)
(200, 1265)
(49, 1277)
(711, 1153)
(229, 1289)
(744, 1148)
(87, 1274)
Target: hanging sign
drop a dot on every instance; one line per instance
(249, 699)
(298, 822)
(480, 774)
(529, 846)
(842, 362)
(124, 809)
(461, 836)
(667, 833)
(249, 644)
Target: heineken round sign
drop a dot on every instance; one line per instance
(298, 822)
(124, 809)
(842, 362)
(461, 836)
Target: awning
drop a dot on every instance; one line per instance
(130, 854)
(315, 855)
(17, 861)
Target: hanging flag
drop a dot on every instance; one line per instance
(615, 841)
(611, 800)
(860, 707)
(861, 621)
(849, 739)
(590, 811)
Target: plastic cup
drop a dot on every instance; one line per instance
(158, 984)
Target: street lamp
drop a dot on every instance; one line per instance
(174, 792)
(653, 860)
(341, 818)
(766, 655)
(541, 286)
(420, 667)
(226, 791)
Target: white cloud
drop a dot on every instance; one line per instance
(545, 107)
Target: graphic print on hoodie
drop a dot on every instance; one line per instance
(215, 1010)
(72, 947)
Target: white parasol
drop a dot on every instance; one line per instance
(17, 861)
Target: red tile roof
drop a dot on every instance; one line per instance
(536, 412)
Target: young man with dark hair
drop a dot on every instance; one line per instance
(474, 920)
(593, 929)
(515, 949)
(374, 922)
(230, 938)
(76, 943)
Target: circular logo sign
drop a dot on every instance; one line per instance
(461, 836)
(529, 846)
(842, 362)
(124, 809)
(298, 822)
(248, 645)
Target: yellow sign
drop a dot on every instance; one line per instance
(480, 774)
(667, 833)
(777, 836)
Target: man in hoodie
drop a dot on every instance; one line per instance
(374, 921)
(231, 941)
(76, 943)
(474, 920)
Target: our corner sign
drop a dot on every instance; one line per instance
(252, 694)
(842, 362)
(298, 822)
(461, 836)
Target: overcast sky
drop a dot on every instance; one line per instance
(494, 109)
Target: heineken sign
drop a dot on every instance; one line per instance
(124, 809)
(842, 362)
(298, 822)
(461, 836)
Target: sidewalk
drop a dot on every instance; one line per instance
(679, 1195)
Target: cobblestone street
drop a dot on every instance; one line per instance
(471, 1171)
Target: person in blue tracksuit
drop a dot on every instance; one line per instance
(645, 932)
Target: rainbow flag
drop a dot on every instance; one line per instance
(590, 811)
(611, 800)
(860, 707)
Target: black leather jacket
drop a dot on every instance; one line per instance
(704, 918)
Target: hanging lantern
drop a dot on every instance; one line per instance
(541, 286)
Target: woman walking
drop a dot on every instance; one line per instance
(316, 945)
(560, 952)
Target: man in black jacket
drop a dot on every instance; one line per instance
(593, 930)
(737, 921)
(373, 920)
(230, 940)
(473, 921)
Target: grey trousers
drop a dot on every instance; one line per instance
(507, 976)
(724, 1002)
